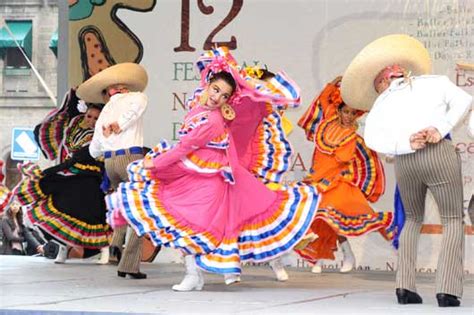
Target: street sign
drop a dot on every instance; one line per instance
(24, 146)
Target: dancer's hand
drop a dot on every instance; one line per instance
(115, 127)
(148, 163)
(106, 131)
(418, 140)
(40, 249)
(432, 135)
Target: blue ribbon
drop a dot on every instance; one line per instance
(399, 220)
(105, 185)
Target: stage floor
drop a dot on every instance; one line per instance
(35, 285)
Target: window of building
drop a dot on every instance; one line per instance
(16, 35)
(14, 59)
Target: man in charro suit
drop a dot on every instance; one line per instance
(411, 115)
(118, 137)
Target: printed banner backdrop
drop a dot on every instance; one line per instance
(313, 41)
(99, 39)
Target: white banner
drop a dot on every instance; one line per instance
(313, 41)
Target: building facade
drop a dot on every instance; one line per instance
(23, 100)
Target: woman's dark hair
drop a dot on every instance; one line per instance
(19, 215)
(340, 106)
(266, 75)
(226, 77)
(95, 106)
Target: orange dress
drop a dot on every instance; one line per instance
(347, 174)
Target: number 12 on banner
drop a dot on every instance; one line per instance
(209, 43)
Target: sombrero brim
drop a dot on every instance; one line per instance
(465, 66)
(130, 74)
(357, 85)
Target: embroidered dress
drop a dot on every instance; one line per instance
(206, 195)
(62, 133)
(5, 196)
(75, 137)
(347, 174)
(69, 207)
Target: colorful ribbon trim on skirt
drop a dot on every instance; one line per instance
(70, 230)
(258, 241)
(43, 213)
(5, 197)
(357, 225)
(367, 171)
(271, 150)
(267, 240)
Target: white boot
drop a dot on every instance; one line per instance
(104, 256)
(193, 280)
(317, 267)
(348, 262)
(279, 269)
(62, 255)
(230, 278)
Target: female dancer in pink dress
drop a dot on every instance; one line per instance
(206, 195)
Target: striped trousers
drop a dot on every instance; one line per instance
(437, 168)
(116, 168)
(470, 210)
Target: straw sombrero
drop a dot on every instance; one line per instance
(465, 66)
(131, 74)
(357, 86)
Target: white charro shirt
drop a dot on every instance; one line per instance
(127, 110)
(404, 109)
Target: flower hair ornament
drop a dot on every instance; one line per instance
(218, 64)
(255, 71)
(335, 98)
(215, 60)
(227, 112)
(81, 106)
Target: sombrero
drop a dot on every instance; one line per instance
(465, 66)
(357, 85)
(130, 74)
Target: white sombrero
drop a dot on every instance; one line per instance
(130, 74)
(357, 86)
